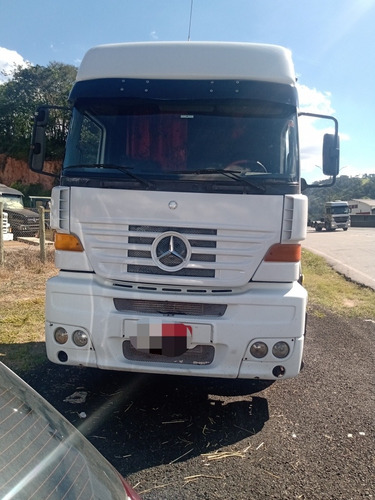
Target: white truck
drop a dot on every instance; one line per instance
(336, 216)
(179, 215)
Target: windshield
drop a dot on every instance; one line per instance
(12, 202)
(339, 209)
(198, 140)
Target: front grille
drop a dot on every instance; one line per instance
(341, 219)
(199, 355)
(169, 308)
(199, 261)
(220, 258)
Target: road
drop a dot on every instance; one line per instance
(308, 438)
(351, 252)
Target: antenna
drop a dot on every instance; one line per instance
(191, 15)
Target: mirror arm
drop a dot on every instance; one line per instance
(304, 184)
(315, 115)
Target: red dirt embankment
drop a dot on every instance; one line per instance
(12, 170)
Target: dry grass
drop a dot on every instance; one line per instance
(331, 291)
(23, 278)
(23, 275)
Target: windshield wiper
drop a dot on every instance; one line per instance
(121, 168)
(231, 174)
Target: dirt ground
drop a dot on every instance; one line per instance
(308, 438)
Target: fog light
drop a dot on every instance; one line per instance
(80, 338)
(61, 335)
(62, 356)
(280, 350)
(279, 371)
(259, 350)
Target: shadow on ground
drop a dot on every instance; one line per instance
(139, 421)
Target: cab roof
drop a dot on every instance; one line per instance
(7, 190)
(189, 61)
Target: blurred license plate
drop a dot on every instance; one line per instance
(167, 339)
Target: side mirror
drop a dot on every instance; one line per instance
(38, 149)
(43, 120)
(38, 140)
(331, 154)
(41, 117)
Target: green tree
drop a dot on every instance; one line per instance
(29, 88)
(346, 188)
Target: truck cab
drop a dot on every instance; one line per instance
(180, 214)
(23, 222)
(336, 216)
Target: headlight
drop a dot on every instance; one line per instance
(280, 350)
(61, 335)
(259, 350)
(80, 338)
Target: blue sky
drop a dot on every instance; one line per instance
(332, 42)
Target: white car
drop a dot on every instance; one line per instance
(43, 456)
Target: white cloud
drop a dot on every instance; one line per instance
(9, 60)
(314, 101)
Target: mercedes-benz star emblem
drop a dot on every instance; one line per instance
(171, 251)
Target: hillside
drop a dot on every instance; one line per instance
(345, 188)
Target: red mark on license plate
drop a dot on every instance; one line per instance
(167, 339)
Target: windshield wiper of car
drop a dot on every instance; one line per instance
(231, 174)
(121, 168)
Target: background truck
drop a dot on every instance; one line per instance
(23, 221)
(179, 215)
(336, 216)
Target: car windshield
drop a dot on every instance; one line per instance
(179, 140)
(12, 202)
(42, 455)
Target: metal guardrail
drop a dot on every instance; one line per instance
(362, 220)
(7, 235)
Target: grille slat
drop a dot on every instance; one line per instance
(169, 308)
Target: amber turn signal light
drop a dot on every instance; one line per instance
(68, 242)
(283, 253)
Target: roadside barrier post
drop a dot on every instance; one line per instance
(42, 235)
(1, 236)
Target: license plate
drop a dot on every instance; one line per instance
(167, 339)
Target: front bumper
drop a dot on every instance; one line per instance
(218, 347)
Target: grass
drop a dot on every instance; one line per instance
(23, 279)
(331, 291)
